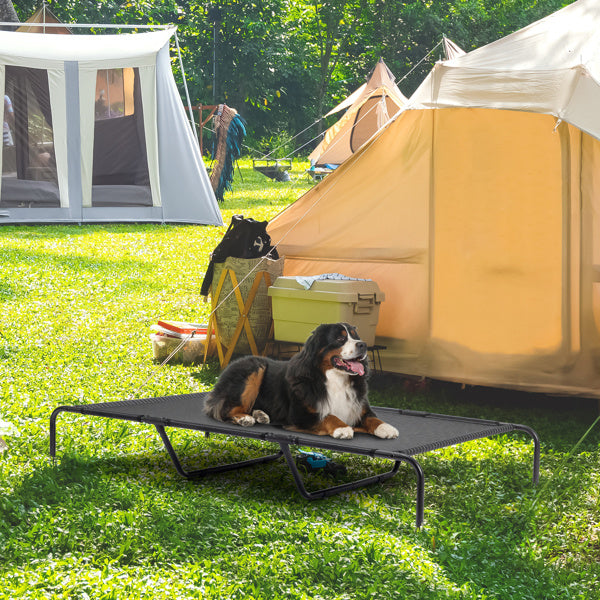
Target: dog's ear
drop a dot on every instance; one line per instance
(307, 360)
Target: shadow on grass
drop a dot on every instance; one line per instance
(86, 504)
(136, 510)
(559, 421)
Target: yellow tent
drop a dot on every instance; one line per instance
(477, 211)
(369, 108)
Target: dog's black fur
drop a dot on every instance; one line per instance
(299, 394)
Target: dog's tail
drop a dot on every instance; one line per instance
(213, 405)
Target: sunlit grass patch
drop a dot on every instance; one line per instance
(112, 519)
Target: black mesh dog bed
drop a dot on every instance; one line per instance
(420, 432)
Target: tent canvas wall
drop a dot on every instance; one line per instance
(477, 211)
(99, 132)
(368, 108)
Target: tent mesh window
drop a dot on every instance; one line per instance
(119, 140)
(28, 160)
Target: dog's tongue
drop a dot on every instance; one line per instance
(356, 367)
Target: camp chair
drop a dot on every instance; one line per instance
(273, 168)
(420, 432)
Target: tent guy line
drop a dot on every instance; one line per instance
(396, 81)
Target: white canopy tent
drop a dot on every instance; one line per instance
(98, 132)
(477, 211)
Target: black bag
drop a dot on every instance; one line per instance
(244, 238)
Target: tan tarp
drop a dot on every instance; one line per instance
(481, 225)
(369, 108)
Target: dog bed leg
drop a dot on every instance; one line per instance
(209, 470)
(352, 485)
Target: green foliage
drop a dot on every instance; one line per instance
(284, 63)
(111, 519)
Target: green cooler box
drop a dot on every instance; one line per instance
(298, 311)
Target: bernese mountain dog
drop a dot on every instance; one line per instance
(322, 389)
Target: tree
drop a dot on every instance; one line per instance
(7, 12)
(283, 63)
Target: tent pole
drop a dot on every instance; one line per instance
(187, 94)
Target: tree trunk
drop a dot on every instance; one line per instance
(8, 13)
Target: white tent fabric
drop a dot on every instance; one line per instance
(552, 66)
(100, 132)
(451, 49)
(476, 209)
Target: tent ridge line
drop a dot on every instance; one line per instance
(91, 25)
(350, 259)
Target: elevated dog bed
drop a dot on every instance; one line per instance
(420, 432)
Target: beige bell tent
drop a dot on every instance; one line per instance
(477, 211)
(368, 108)
(39, 19)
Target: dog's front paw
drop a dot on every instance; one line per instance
(245, 421)
(386, 431)
(343, 433)
(261, 417)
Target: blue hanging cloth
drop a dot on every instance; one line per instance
(230, 130)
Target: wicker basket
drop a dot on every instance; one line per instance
(228, 313)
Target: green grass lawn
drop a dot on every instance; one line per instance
(113, 520)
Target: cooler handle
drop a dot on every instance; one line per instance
(365, 304)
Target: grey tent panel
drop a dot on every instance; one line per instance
(98, 139)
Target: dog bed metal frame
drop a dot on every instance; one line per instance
(420, 432)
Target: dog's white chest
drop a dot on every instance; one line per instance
(341, 398)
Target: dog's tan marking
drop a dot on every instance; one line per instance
(250, 393)
(368, 425)
(325, 427)
(328, 425)
(241, 414)
(326, 363)
(377, 427)
(242, 419)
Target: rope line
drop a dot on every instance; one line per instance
(397, 81)
(430, 52)
(292, 139)
(185, 85)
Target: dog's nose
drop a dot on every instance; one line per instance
(361, 347)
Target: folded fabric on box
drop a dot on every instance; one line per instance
(306, 282)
